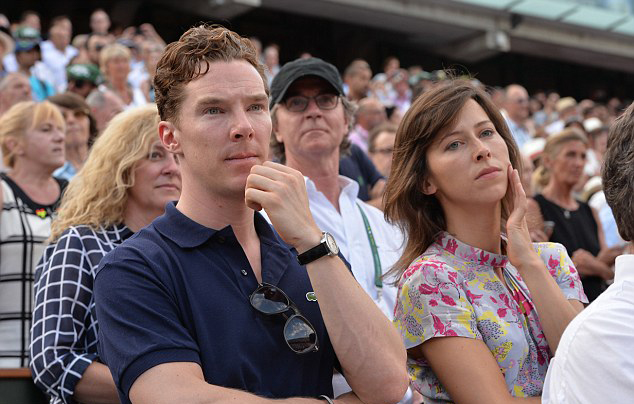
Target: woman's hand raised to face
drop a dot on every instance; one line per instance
(519, 248)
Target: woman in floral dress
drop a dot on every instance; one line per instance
(481, 309)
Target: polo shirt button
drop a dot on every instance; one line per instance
(244, 272)
(221, 239)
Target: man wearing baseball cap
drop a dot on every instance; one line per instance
(311, 119)
(27, 54)
(83, 78)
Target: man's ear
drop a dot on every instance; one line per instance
(428, 187)
(168, 133)
(275, 133)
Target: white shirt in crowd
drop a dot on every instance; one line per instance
(594, 362)
(349, 230)
(56, 62)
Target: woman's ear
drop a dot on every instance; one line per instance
(428, 187)
(14, 146)
(546, 161)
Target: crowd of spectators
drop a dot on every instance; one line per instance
(77, 85)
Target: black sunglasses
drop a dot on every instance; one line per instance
(299, 333)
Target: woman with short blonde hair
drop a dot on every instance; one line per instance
(124, 184)
(576, 224)
(32, 141)
(114, 61)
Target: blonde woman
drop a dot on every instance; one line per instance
(124, 184)
(576, 224)
(32, 139)
(114, 61)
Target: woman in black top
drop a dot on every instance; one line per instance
(575, 223)
(32, 141)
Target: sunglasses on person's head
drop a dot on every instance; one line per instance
(80, 83)
(299, 103)
(299, 333)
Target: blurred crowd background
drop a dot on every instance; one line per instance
(560, 74)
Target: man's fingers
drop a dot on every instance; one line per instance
(262, 183)
(256, 199)
(278, 172)
(283, 168)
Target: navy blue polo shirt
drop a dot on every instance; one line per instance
(179, 292)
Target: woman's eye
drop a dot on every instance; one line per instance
(156, 156)
(487, 132)
(453, 145)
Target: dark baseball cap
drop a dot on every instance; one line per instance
(299, 68)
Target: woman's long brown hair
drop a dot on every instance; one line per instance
(420, 216)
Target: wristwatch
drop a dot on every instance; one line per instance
(327, 246)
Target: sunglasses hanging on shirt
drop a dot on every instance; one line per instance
(299, 333)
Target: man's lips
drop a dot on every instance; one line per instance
(241, 156)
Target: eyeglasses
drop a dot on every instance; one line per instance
(299, 333)
(386, 151)
(299, 103)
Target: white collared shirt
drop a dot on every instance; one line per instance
(594, 362)
(56, 62)
(349, 231)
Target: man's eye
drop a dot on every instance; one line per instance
(257, 107)
(213, 111)
(295, 101)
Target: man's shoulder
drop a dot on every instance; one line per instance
(604, 321)
(375, 214)
(377, 221)
(143, 246)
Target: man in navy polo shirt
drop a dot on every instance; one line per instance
(209, 303)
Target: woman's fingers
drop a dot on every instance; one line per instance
(518, 199)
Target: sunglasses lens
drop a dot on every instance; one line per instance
(300, 335)
(269, 300)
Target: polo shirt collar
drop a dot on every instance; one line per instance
(186, 233)
(182, 230)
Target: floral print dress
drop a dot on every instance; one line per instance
(452, 290)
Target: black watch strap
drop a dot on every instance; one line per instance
(321, 250)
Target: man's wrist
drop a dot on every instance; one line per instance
(312, 239)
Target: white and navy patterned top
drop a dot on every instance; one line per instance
(24, 226)
(64, 333)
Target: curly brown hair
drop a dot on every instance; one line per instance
(618, 172)
(189, 58)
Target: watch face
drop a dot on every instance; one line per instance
(332, 244)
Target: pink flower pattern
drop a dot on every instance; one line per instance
(450, 290)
